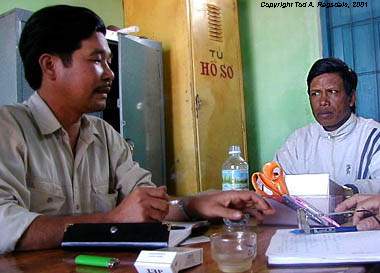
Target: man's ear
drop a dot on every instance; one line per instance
(48, 65)
(353, 98)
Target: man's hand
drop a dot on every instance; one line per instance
(363, 202)
(229, 204)
(144, 204)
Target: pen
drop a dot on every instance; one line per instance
(319, 230)
(350, 213)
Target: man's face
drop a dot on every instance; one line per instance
(87, 80)
(329, 101)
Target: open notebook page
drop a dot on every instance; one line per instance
(327, 248)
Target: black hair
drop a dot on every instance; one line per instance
(56, 30)
(334, 65)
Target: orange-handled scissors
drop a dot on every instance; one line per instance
(271, 181)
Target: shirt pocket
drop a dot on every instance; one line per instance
(103, 200)
(46, 197)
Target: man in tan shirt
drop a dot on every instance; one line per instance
(59, 166)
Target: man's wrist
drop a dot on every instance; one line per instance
(190, 211)
(350, 190)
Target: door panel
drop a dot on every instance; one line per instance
(342, 45)
(339, 16)
(367, 97)
(142, 105)
(362, 13)
(217, 85)
(364, 57)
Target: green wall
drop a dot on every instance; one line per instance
(278, 47)
(111, 11)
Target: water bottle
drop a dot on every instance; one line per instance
(235, 177)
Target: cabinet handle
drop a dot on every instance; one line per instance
(198, 103)
(131, 144)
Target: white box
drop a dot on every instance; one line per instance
(168, 260)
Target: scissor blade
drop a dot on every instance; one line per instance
(297, 203)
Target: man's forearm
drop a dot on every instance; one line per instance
(47, 231)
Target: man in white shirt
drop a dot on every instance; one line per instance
(339, 143)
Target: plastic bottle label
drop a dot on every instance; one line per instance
(235, 180)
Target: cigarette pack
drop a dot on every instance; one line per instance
(168, 260)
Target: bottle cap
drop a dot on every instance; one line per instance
(234, 149)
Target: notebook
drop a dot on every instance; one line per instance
(286, 248)
(129, 235)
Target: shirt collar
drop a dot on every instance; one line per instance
(88, 130)
(44, 117)
(343, 130)
(48, 123)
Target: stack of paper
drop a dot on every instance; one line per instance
(182, 230)
(329, 248)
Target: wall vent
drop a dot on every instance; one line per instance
(214, 15)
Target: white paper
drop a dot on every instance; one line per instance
(177, 236)
(289, 248)
(196, 240)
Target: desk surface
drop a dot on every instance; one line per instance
(57, 260)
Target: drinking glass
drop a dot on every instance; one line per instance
(234, 251)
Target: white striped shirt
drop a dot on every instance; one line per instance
(350, 154)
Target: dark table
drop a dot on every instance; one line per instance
(57, 260)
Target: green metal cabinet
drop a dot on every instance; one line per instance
(14, 87)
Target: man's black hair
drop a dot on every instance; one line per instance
(57, 30)
(334, 65)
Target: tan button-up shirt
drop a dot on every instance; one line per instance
(40, 175)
